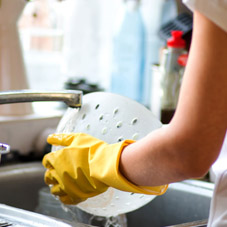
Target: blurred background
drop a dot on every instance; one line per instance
(135, 48)
(93, 44)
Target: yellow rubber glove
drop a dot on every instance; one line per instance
(86, 167)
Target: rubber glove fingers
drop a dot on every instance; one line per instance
(86, 167)
(51, 177)
(57, 190)
(62, 139)
(46, 162)
(81, 140)
(63, 196)
(74, 195)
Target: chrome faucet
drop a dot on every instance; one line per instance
(73, 98)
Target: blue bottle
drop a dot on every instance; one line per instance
(129, 54)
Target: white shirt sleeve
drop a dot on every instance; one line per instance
(215, 10)
(218, 211)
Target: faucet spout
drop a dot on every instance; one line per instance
(73, 98)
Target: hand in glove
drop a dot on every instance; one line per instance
(86, 167)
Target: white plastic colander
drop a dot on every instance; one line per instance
(111, 118)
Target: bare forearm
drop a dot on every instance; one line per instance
(152, 161)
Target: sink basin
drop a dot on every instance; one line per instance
(183, 202)
(20, 185)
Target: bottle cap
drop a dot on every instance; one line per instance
(176, 40)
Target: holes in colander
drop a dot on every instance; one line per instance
(120, 139)
(115, 111)
(88, 127)
(101, 117)
(97, 106)
(134, 121)
(135, 136)
(104, 130)
(119, 124)
(83, 116)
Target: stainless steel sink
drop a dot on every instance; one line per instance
(20, 185)
(183, 202)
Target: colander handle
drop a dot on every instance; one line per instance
(73, 98)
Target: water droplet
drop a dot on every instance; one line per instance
(128, 204)
(116, 197)
(134, 121)
(64, 208)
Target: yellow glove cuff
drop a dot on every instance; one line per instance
(106, 169)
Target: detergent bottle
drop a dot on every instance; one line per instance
(171, 74)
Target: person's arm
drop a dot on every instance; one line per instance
(188, 146)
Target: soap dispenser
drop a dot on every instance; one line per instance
(129, 53)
